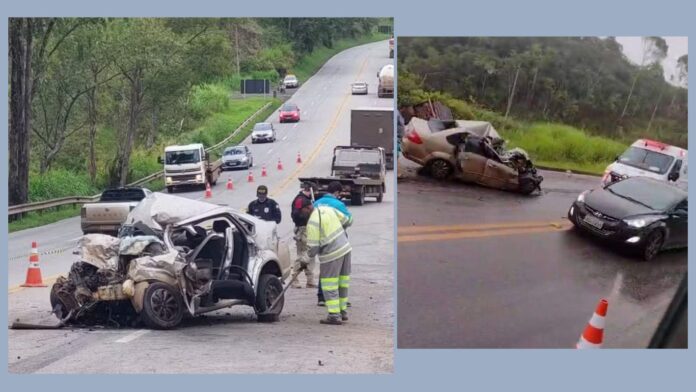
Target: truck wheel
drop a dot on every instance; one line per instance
(440, 169)
(163, 307)
(380, 196)
(357, 198)
(269, 288)
(170, 189)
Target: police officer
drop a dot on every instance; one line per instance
(263, 207)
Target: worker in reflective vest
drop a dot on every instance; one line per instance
(327, 239)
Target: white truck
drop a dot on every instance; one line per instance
(650, 158)
(189, 165)
(385, 88)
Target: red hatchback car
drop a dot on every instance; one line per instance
(289, 112)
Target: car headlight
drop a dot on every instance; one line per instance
(198, 177)
(244, 159)
(641, 222)
(169, 180)
(581, 197)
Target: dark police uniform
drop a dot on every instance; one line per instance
(267, 210)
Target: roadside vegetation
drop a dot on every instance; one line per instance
(103, 109)
(572, 103)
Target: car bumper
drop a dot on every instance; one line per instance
(88, 227)
(262, 138)
(290, 118)
(359, 92)
(234, 164)
(616, 232)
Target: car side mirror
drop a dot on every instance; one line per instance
(680, 212)
(674, 176)
(160, 160)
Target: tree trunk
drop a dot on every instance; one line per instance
(126, 143)
(154, 124)
(236, 46)
(652, 116)
(483, 87)
(20, 48)
(530, 96)
(628, 99)
(92, 132)
(512, 93)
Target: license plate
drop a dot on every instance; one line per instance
(592, 221)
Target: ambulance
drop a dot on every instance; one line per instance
(650, 158)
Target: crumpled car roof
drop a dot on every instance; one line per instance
(478, 128)
(159, 210)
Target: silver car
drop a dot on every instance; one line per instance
(237, 157)
(358, 88)
(290, 81)
(176, 257)
(263, 132)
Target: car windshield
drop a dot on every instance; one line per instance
(288, 107)
(262, 127)
(359, 84)
(652, 194)
(290, 78)
(181, 157)
(234, 151)
(646, 160)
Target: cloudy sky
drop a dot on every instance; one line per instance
(633, 49)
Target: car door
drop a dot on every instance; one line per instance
(472, 166)
(497, 175)
(678, 223)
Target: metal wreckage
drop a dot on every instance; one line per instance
(469, 151)
(174, 257)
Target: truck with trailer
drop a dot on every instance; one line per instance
(374, 126)
(361, 171)
(189, 165)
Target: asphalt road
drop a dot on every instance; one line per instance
(230, 340)
(481, 268)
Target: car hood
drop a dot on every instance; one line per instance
(615, 206)
(262, 132)
(159, 210)
(233, 157)
(288, 113)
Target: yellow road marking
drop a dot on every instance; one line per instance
(481, 232)
(48, 282)
(474, 227)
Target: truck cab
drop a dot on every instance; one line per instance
(650, 158)
(188, 165)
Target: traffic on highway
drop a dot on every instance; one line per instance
(227, 246)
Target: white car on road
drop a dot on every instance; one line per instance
(649, 158)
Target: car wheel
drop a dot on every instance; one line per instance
(653, 244)
(269, 288)
(357, 198)
(440, 169)
(170, 189)
(163, 307)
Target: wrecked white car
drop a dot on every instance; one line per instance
(174, 257)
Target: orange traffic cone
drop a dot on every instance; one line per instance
(229, 184)
(263, 171)
(280, 164)
(299, 158)
(593, 334)
(34, 271)
(250, 178)
(208, 192)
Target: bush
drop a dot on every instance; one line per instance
(59, 183)
(209, 98)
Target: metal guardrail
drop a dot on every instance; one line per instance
(73, 200)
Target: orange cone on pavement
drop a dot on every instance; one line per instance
(34, 271)
(250, 178)
(280, 164)
(229, 184)
(299, 158)
(208, 192)
(263, 171)
(593, 334)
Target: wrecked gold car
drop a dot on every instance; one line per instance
(471, 151)
(174, 257)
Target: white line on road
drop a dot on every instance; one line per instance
(286, 136)
(131, 337)
(294, 126)
(270, 150)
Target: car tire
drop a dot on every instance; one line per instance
(357, 198)
(440, 169)
(163, 307)
(269, 287)
(170, 189)
(526, 185)
(653, 244)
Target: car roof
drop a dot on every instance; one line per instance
(186, 147)
(286, 104)
(234, 147)
(291, 76)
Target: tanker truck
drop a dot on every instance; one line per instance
(385, 87)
